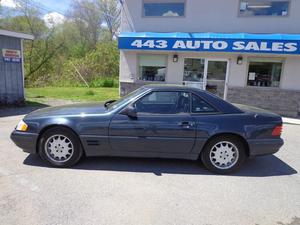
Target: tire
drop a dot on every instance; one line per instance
(60, 147)
(227, 146)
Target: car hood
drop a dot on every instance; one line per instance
(69, 110)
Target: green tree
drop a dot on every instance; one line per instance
(110, 11)
(38, 52)
(84, 43)
(87, 17)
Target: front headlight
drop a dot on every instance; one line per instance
(22, 126)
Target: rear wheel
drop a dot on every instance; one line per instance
(60, 147)
(224, 154)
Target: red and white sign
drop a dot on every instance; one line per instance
(11, 55)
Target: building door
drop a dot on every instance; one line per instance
(207, 74)
(216, 77)
(194, 70)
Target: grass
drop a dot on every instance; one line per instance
(71, 93)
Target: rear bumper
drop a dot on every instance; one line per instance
(25, 141)
(259, 147)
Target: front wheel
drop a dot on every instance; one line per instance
(223, 154)
(60, 147)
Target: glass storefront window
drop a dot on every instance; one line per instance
(193, 70)
(152, 67)
(264, 8)
(216, 76)
(216, 70)
(264, 73)
(174, 8)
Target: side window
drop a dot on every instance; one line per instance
(164, 102)
(200, 106)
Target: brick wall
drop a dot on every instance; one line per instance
(284, 102)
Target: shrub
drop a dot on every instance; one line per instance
(90, 92)
(98, 67)
(104, 82)
(108, 83)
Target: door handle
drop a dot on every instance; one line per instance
(187, 124)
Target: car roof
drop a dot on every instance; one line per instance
(217, 102)
(172, 87)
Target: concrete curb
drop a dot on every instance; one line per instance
(291, 121)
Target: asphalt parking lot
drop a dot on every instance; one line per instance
(147, 191)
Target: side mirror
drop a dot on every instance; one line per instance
(109, 102)
(130, 111)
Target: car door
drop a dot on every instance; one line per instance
(208, 119)
(163, 125)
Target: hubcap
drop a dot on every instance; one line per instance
(224, 155)
(59, 148)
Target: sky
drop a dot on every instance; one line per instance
(53, 10)
(56, 5)
(53, 5)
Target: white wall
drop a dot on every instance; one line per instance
(128, 66)
(210, 16)
(291, 74)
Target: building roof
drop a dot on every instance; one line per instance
(16, 34)
(245, 36)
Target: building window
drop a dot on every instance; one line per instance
(264, 73)
(164, 8)
(193, 70)
(152, 67)
(217, 70)
(264, 8)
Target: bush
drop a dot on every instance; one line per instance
(90, 92)
(104, 82)
(99, 68)
(108, 83)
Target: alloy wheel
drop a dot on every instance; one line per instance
(224, 155)
(59, 148)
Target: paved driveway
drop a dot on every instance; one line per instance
(147, 191)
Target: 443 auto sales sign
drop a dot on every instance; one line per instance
(11, 55)
(210, 45)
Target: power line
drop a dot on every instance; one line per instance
(40, 6)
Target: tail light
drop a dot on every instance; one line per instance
(277, 131)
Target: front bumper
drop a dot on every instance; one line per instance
(25, 141)
(260, 147)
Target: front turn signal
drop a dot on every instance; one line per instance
(22, 126)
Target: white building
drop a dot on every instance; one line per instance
(246, 51)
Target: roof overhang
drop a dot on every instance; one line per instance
(211, 42)
(16, 34)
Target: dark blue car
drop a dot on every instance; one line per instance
(158, 121)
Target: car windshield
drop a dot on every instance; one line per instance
(126, 99)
